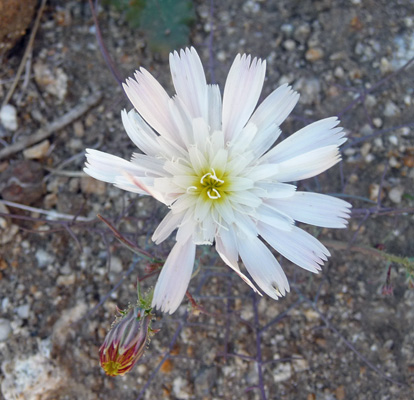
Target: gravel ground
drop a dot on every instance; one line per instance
(343, 334)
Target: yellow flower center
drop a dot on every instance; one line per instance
(210, 185)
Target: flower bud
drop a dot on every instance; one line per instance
(125, 343)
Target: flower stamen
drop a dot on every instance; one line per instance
(212, 176)
(192, 188)
(214, 197)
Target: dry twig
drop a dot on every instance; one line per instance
(56, 125)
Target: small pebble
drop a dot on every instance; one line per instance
(287, 29)
(339, 72)
(37, 151)
(393, 140)
(289, 45)
(5, 329)
(92, 186)
(116, 265)
(251, 7)
(378, 143)
(377, 122)
(369, 158)
(374, 191)
(43, 258)
(66, 280)
(78, 129)
(8, 117)
(54, 82)
(394, 163)
(385, 66)
(221, 56)
(314, 54)
(23, 311)
(409, 161)
(366, 129)
(302, 32)
(391, 109)
(370, 101)
(395, 194)
(365, 149)
(309, 90)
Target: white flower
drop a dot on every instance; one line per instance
(211, 162)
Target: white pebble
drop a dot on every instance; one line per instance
(395, 194)
(339, 72)
(8, 117)
(23, 311)
(289, 45)
(377, 122)
(251, 7)
(391, 109)
(5, 329)
(369, 158)
(393, 140)
(43, 258)
(378, 143)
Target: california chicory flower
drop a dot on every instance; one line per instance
(211, 161)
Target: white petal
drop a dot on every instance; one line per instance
(177, 167)
(141, 183)
(198, 160)
(214, 107)
(106, 167)
(219, 160)
(187, 228)
(241, 93)
(174, 277)
(182, 119)
(297, 246)
(150, 165)
(317, 135)
(184, 202)
(205, 231)
(263, 171)
(275, 190)
(202, 209)
(242, 141)
(200, 134)
(273, 216)
(190, 81)
(226, 246)
(124, 183)
(262, 266)
(276, 107)
(246, 198)
(270, 115)
(151, 101)
(314, 208)
(225, 211)
(238, 163)
(308, 164)
(140, 133)
(167, 226)
(237, 184)
(244, 223)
